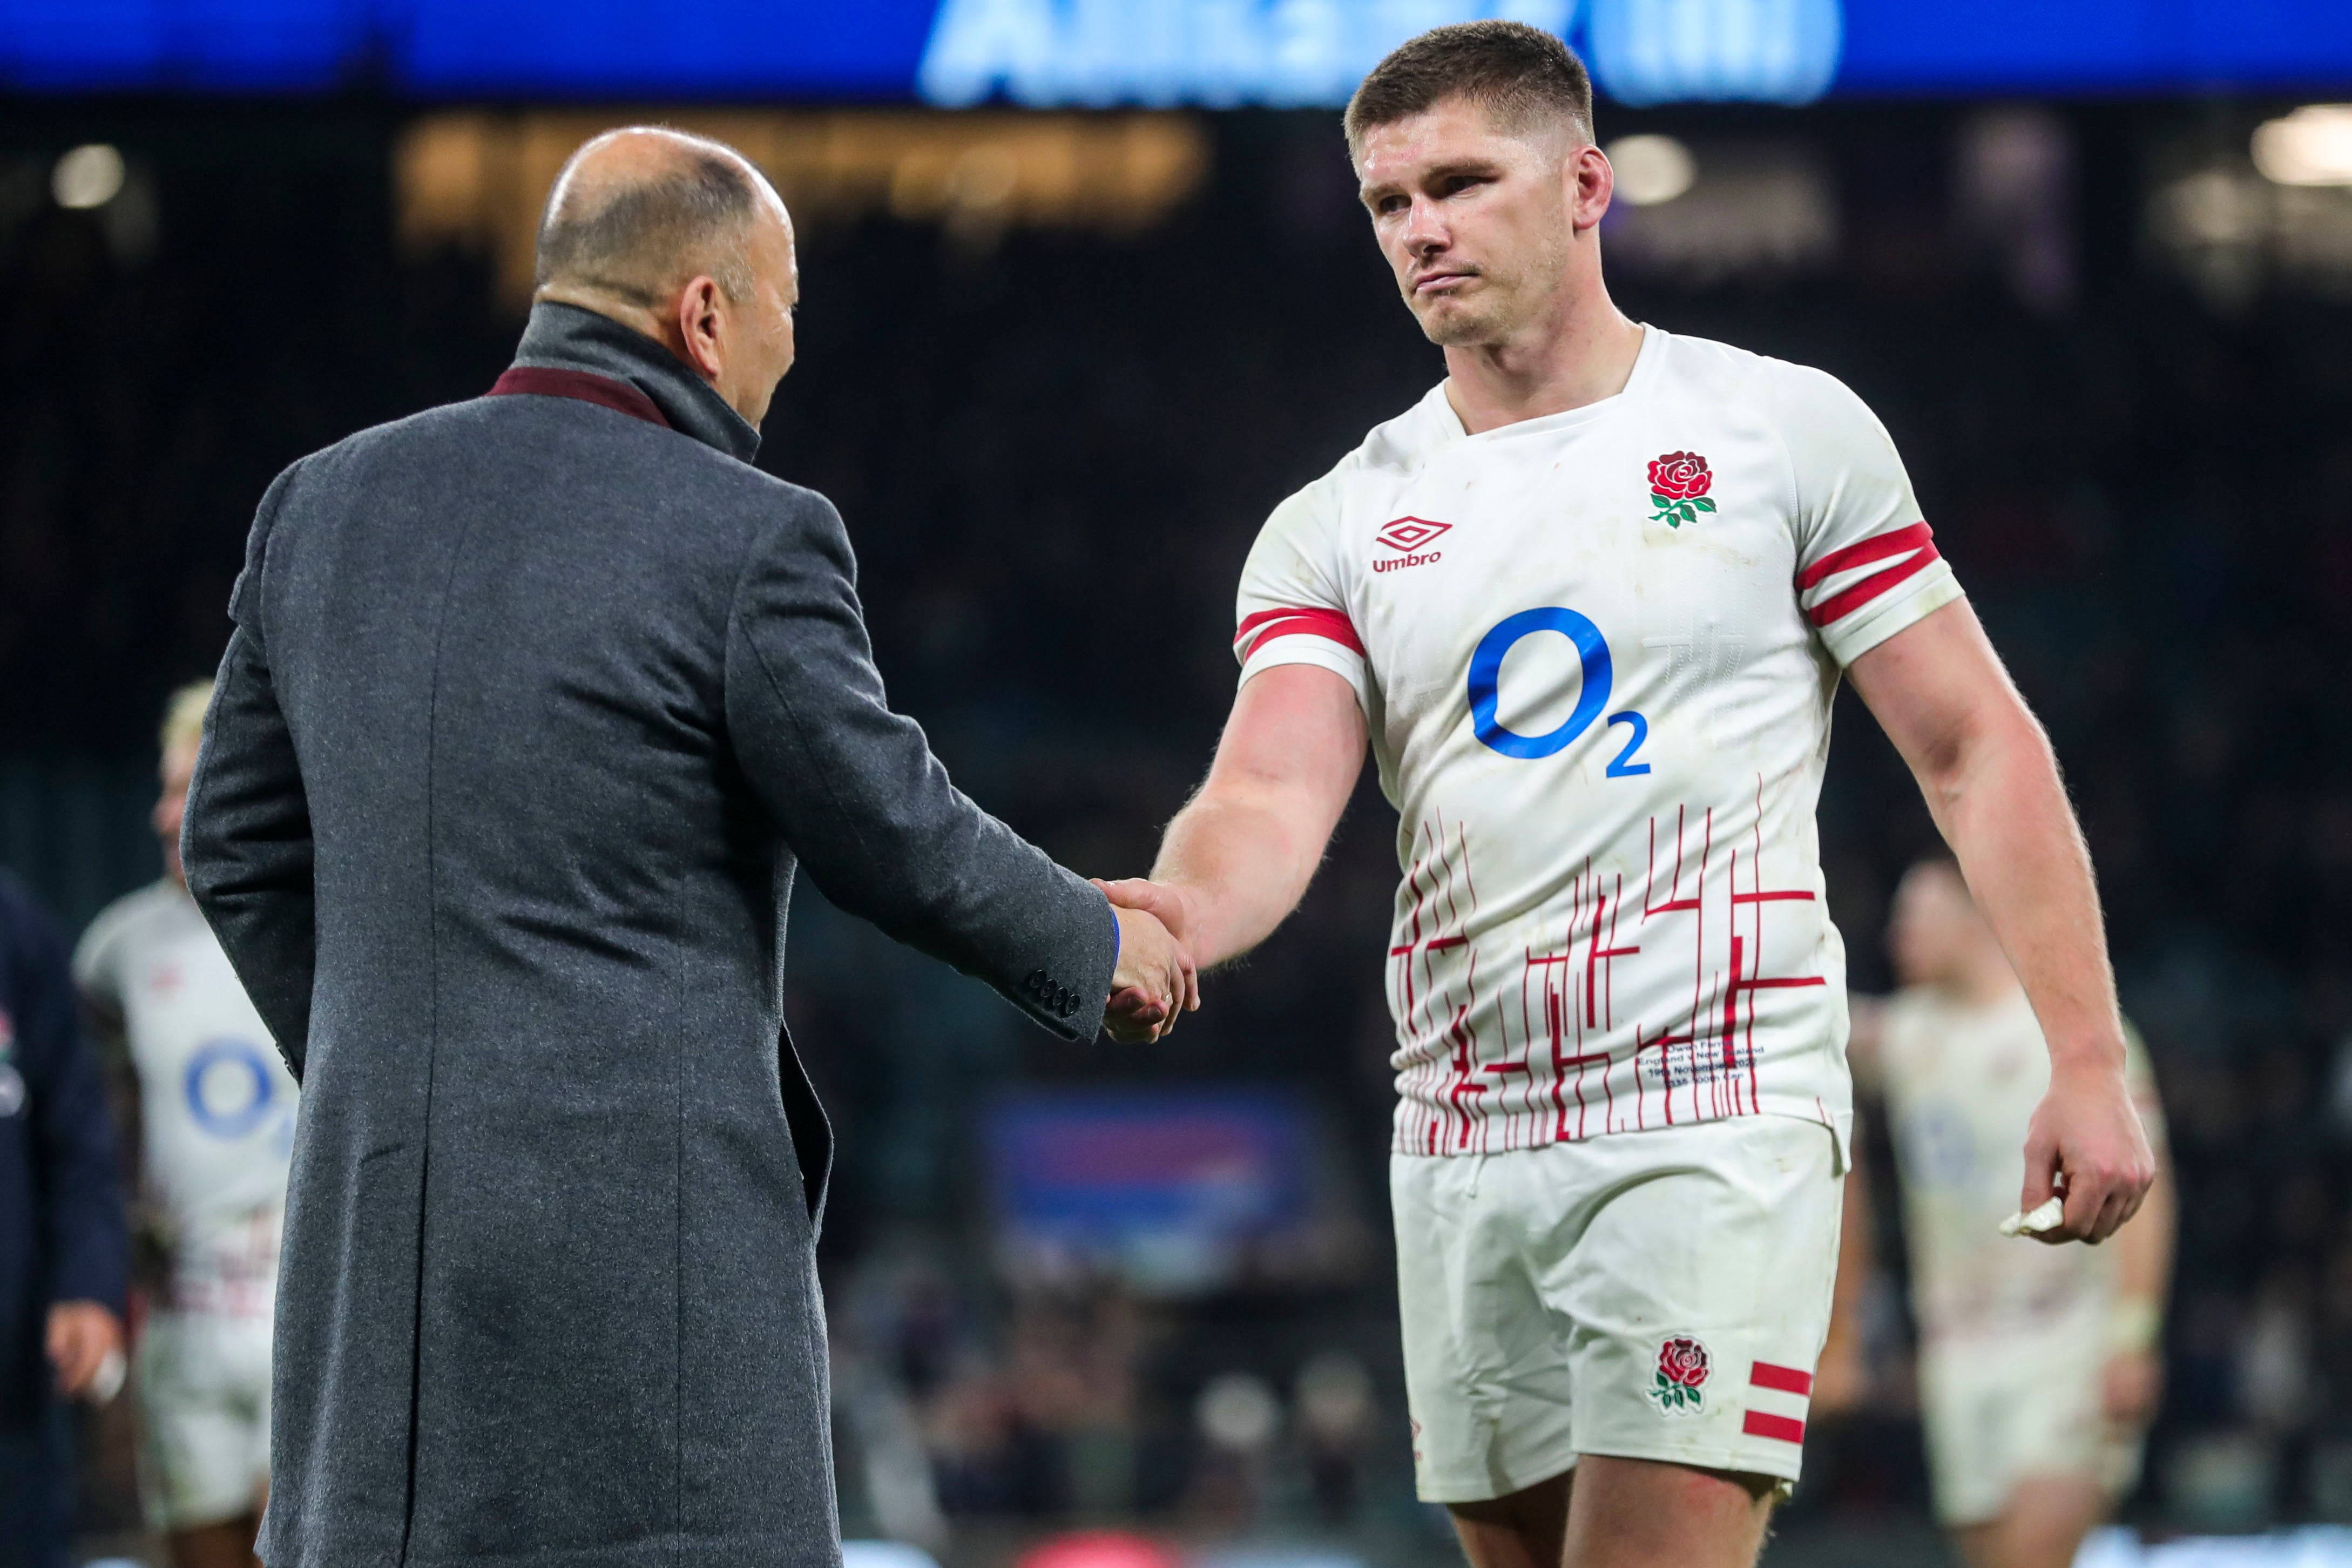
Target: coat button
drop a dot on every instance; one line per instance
(1035, 982)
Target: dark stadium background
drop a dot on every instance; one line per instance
(1053, 448)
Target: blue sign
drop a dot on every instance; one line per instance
(1168, 1185)
(1206, 52)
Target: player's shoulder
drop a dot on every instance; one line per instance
(1399, 447)
(122, 926)
(1780, 390)
(1391, 453)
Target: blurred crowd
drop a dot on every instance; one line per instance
(1053, 452)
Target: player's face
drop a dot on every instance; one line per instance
(178, 767)
(1475, 222)
(1933, 924)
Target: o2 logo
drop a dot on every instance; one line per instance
(230, 1089)
(1592, 650)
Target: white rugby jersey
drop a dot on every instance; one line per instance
(1961, 1083)
(216, 1102)
(1597, 651)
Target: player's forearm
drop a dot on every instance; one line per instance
(1243, 858)
(1998, 799)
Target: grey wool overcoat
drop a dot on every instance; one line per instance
(532, 705)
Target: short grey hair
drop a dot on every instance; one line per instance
(635, 239)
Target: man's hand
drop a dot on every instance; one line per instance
(82, 1334)
(2088, 1130)
(1155, 979)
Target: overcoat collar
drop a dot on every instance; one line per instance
(567, 338)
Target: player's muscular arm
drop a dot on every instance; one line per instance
(1991, 781)
(1237, 860)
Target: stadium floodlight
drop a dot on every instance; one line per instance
(1651, 170)
(88, 176)
(2312, 147)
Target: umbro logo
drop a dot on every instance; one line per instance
(1408, 536)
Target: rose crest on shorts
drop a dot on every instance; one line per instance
(1678, 485)
(1683, 1365)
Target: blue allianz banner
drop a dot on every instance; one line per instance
(1206, 52)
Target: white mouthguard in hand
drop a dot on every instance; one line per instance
(2049, 1216)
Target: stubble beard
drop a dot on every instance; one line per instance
(1465, 323)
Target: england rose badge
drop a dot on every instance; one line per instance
(1682, 1366)
(1678, 485)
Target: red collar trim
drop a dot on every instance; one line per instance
(538, 381)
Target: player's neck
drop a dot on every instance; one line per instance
(1577, 356)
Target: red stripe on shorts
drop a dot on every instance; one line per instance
(1779, 1428)
(1781, 1379)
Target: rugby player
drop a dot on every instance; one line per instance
(1589, 600)
(2038, 1366)
(217, 1124)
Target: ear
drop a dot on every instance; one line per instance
(1592, 183)
(702, 325)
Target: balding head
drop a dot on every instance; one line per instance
(637, 211)
(683, 239)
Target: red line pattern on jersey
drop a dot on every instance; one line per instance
(1913, 544)
(1781, 1379)
(1558, 1080)
(1434, 925)
(1259, 629)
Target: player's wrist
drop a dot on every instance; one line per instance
(2090, 1055)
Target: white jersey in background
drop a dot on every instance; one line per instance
(2013, 1336)
(216, 1104)
(1961, 1083)
(1597, 651)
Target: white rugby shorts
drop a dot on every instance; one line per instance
(204, 1406)
(1657, 1295)
(2018, 1407)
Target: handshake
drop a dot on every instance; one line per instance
(1156, 979)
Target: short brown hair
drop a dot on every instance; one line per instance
(1521, 75)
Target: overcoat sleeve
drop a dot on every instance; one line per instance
(870, 811)
(245, 840)
(85, 1238)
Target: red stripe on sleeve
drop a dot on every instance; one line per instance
(1877, 547)
(1265, 625)
(1779, 1428)
(1838, 605)
(1781, 1379)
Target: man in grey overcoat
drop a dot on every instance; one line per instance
(532, 707)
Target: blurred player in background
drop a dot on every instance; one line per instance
(217, 1122)
(2038, 1367)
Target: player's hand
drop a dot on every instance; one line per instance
(2129, 1386)
(1173, 907)
(82, 1334)
(1155, 980)
(1169, 904)
(2086, 1142)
